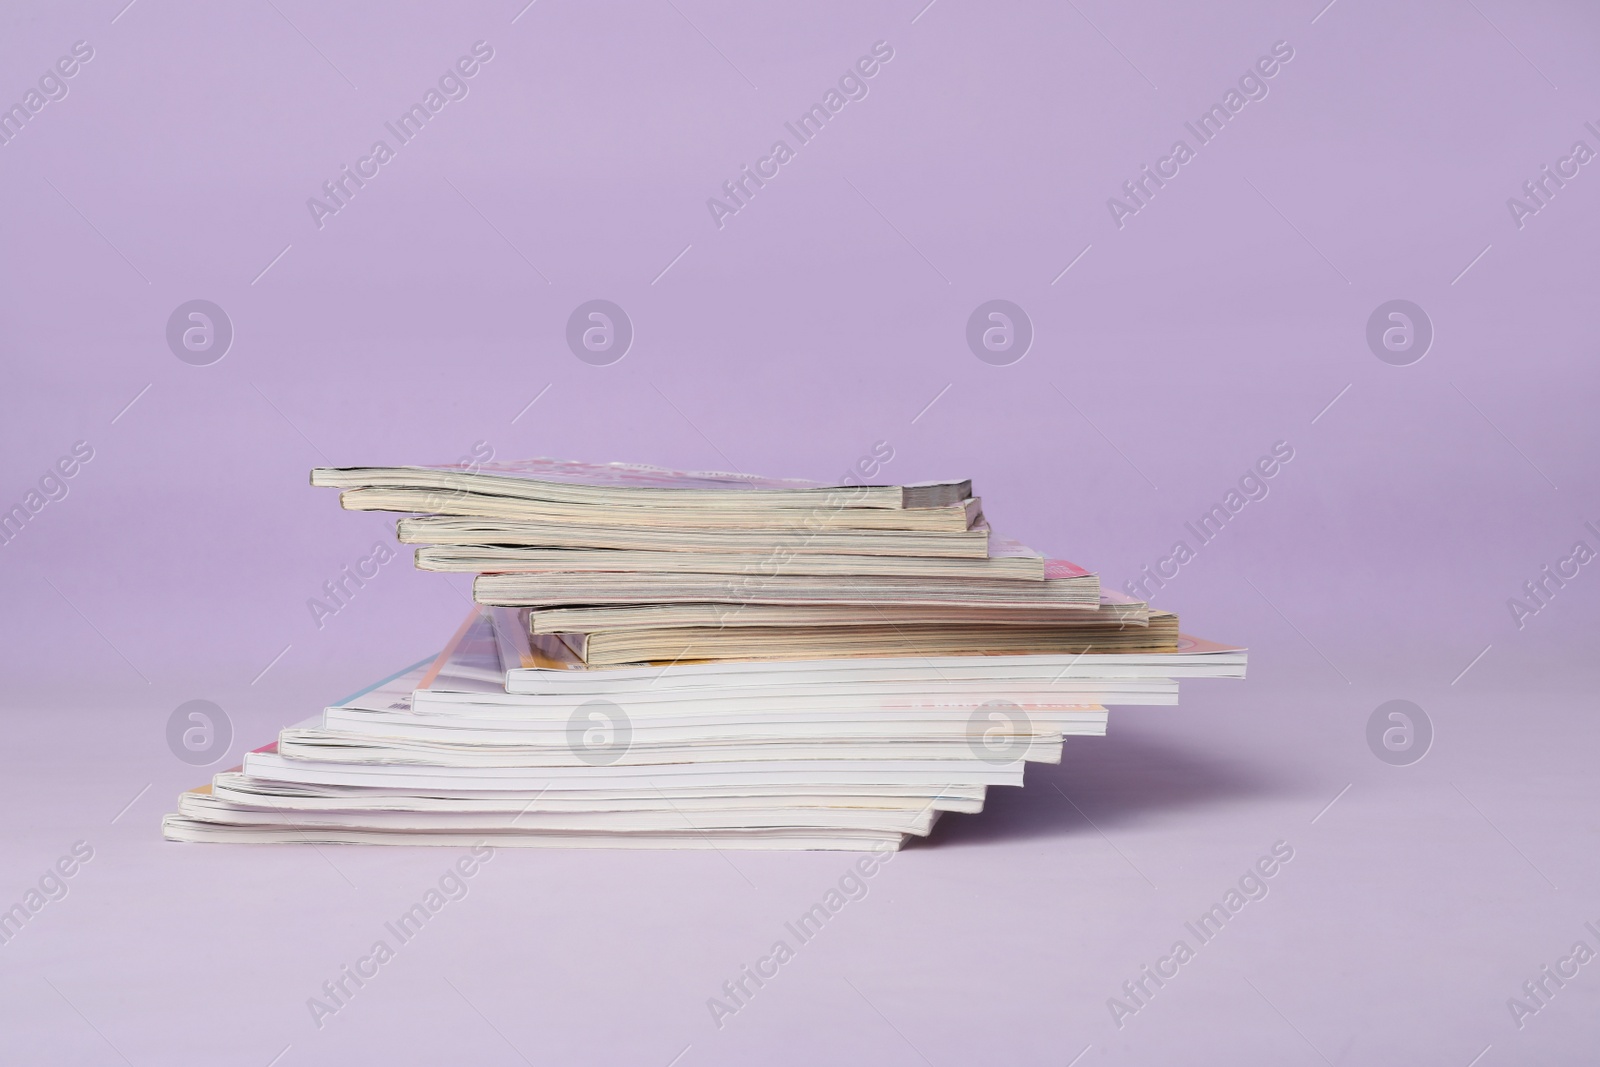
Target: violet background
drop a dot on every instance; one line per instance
(824, 317)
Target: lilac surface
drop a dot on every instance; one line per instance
(828, 314)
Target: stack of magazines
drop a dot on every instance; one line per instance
(659, 659)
